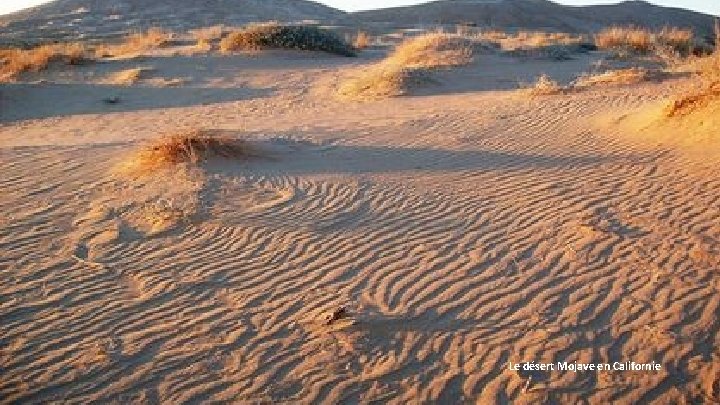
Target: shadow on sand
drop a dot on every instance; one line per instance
(36, 101)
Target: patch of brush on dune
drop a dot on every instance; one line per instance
(276, 36)
(691, 119)
(188, 148)
(705, 90)
(409, 65)
(616, 77)
(545, 86)
(627, 41)
(127, 77)
(13, 62)
(135, 43)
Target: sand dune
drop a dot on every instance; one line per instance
(461, 229)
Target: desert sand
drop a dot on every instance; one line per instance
(462, 228)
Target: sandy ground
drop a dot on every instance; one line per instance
(462, 229)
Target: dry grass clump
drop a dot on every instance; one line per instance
(537, 44)
(432, 51)
(644, 41)
(706, 88)
(273, 35)
(626, 76)
(383, 80)
(362, 40)
(134, 43)
(699, 97)
(675, 38)
(16, 61)
(407, 66)
(127, 77)
(704, 91)
(188, 147)
(202, 45)
(208, 34)
(638, 39)
(545, 86)
(205, 37)
(530, 39)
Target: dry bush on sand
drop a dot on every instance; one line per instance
(16, 61)
(637, 39)
(432, 51)
(537, 44)
(383, 80)
(273, 35)
(627, 76)
(205, 37)
(697, 98)
(643, 41)
(208, 34)
(407, 66)
(679, 39)
(706, 87)
(544, 86)
(187, 147)
(529, 39)
(704, 91)
(135, 43)
(127, 77)
(202, 45)
(362, 40)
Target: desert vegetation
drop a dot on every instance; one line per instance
(16, 61)
(529, 39)
(544, 86)
(705, 88)
(362, 40)
(644, 41)
(127, 77)
(273, 35)
(409, 64)
(192, 146)
(624, 76)
(135, 43)
(206, 37)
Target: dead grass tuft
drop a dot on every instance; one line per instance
(272, 35)
(135, 43)
(697, 98)
(383, 80)
(362, 40)
(705, 89)
(127, 77)
(643, 41)
(407, 66)
(432, 51)
(679, 39)
(16, 61)
(626, 76)
(529, 39)
(208, 34)
(706, 85)
(545, 86)
(637, 39)
(188, 147)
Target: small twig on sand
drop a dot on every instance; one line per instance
(338, 314)
(88, 263)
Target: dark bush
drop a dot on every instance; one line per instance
(307, 38)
